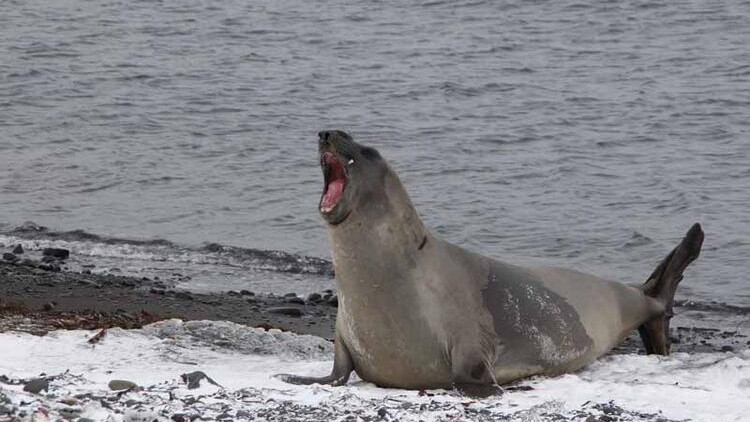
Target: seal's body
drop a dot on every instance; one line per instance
(417, 312)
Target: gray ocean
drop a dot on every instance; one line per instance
(581, 134)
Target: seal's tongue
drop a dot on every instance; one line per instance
(336, 183)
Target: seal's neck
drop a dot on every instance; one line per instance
(378, 242)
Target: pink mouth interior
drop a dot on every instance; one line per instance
(336, 182)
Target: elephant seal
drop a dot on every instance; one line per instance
(417, 312)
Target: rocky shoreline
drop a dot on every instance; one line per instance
(40, 295)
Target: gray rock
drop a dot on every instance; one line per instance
(314, 297)
(296, 300)
(118, 385)
(334, 301)
(56, 252)
(36, 385)
(290, 295)
(18, 250)
(11, 257)
(247, 293)
(193, 379)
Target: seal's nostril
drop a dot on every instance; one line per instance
(324, 135)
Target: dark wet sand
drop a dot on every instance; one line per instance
(38, 300)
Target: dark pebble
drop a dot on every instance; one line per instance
(56, 252)
(285, 310)
(36, 385)
(50, 267)
(247, 293)
(183, 295)
(290, 295)
(10, 257)
(296, 300)
(18, 250)
(727, 349)
(334, 301)
(233, 293)
(314, 297)
(119, 385)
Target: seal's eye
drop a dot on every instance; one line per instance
(369, 153)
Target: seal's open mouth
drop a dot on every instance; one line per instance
(335, 181)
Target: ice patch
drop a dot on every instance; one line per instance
(699, 387)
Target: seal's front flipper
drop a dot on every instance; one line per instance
(300, 380)
(662, 286)
(342, 368)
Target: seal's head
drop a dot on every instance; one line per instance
(353, 175)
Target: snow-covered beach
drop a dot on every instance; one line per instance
(243, 361)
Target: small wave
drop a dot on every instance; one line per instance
(84, 243)
(718, 307)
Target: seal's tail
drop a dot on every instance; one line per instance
(662, 285)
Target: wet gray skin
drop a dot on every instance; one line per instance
(416, 312)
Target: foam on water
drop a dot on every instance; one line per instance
(211, 267)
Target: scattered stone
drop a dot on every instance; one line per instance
(296, 300)
(10, 257)
(70, 401)
(247, 293)
(36, 385)
(193, 379)
(56, 252)
(290, 295)
(334, 301)
(727, 348)
(119, 385)
(233, 293)
(18, 250)
(314, 297)
(285, 310)
(69, 412)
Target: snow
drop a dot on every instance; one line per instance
(698, 387)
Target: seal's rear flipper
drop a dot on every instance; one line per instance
(662, 285)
